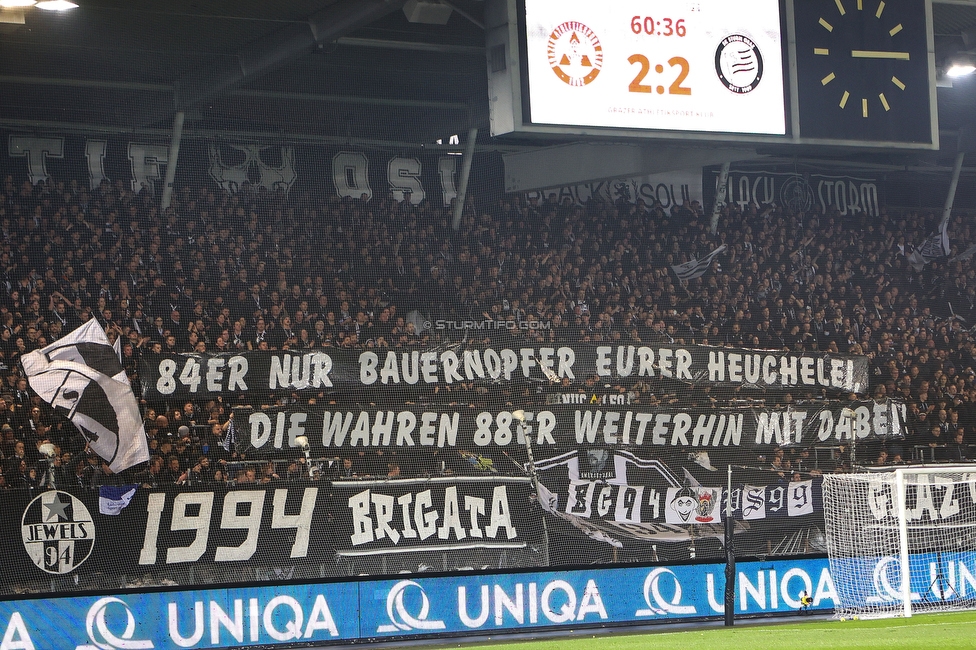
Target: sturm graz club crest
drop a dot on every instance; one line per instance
(796, 194)
(738, 63)
(58, 532)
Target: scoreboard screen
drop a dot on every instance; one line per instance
(674, 65)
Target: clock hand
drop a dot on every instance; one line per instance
(879, 54)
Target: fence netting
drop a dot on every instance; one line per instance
(340, 375)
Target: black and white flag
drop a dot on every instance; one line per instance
(934, 247)
(81, 377)
(696, 268)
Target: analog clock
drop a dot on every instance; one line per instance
(863, 70)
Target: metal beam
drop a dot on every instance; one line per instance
(85, 83)
(723, 185)
(349, 99)
(265, 94)
(275, 49)
(953, 183)
(462, 194)
(174, 156)
(440, 48)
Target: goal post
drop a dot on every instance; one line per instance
(917, 522)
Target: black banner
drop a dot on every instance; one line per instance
(612, 495)
(436, 514)
(810, 190)
(231, 165)
(303, 529)
(267, 433)
(198, 376)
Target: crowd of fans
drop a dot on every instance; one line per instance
(261, 270)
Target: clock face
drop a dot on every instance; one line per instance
(863, 70)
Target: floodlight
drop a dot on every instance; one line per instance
(56, 5)
(960, 70)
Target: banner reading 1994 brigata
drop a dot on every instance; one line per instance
(336, 431)
(296, 529)
(192, 375)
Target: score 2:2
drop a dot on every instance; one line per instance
(674, 89)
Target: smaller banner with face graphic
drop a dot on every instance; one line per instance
(614, 495)
(81, 377)
(693, 505)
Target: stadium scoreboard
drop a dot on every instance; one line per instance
(834, 72)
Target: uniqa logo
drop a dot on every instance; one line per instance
(403, 621)
(661, 605)
(887, 581)
(101, 637)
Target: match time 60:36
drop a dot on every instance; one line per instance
(663, 27)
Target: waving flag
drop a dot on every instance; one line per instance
(81, 377)
(934, 247)
(696, 268)
(113, 498)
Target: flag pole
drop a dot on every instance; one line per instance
(729, 555)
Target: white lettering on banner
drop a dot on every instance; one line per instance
(37, 151)
(16, 636)
(145, 161)
(350, 175)
(300, 372)
(237, 367)
(95, 156)
(665, 428)
(860, 422)
(335, 428)
(282, 618)
(670, 189)
(374, 516)
(447, 171)
(282, 428)
(200, 523)
(771, 370)
(934, 501)
(313, 370)
(411, 367)
(403, 175)
(848, 195)
(262, 429)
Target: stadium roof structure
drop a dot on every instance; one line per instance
(344, 71)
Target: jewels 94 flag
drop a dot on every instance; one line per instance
(81, 377)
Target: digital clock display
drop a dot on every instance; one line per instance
(677, 65)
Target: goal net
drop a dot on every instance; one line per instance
(916, 522)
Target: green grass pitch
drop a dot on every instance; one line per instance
(935, 631)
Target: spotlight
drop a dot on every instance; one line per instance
(56, 5)
(960, 66)
(960, 70)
